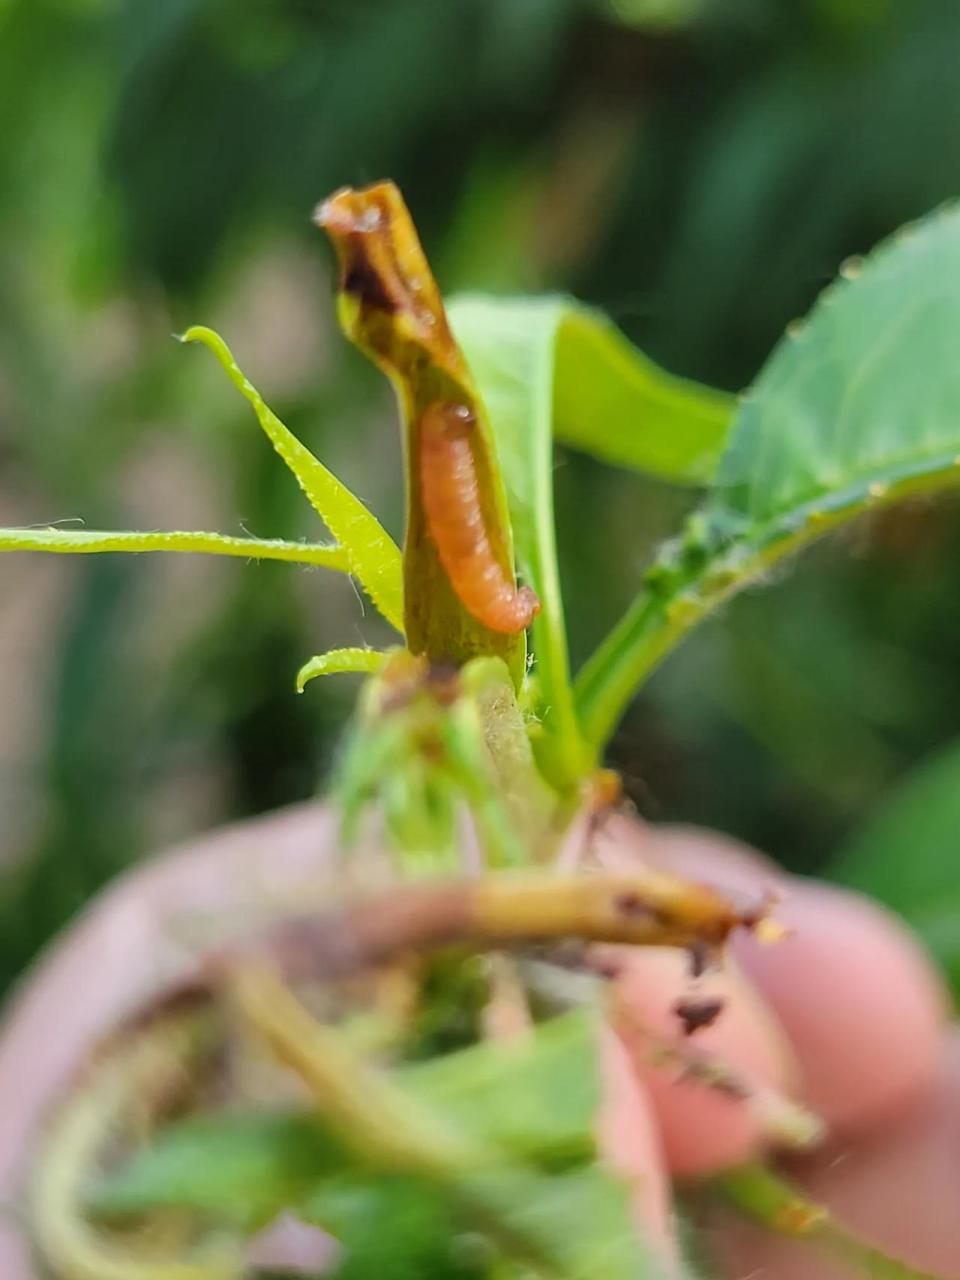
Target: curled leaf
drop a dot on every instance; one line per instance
(390, 306)
(340, 660)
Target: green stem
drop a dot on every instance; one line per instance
(530, 806)
(661, 615)
(85, 541)
(767, 1198)
(380, 1124)
(104, 1107)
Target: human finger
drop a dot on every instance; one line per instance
(897, 1188)
(858, 1010)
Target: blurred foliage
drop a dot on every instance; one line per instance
(495, 1171)
(698, 170)
(902, 855)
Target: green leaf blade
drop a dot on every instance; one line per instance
(550, 368)
(866, 392)
(858, 407)
(612, 401)
(577, 1225)
(517, 1166)
(515, 378)
(373, 555)
(536, 1099)
(241, 1166)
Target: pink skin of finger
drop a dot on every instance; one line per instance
(702, 1129)
(628, 1134)
(864, 1016)
(860, 1012)
(898, 1188)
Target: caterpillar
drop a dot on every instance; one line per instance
(451, 501)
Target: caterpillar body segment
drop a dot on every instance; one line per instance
(455, 520)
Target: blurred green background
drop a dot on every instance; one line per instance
(699, 168)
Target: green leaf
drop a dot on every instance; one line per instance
(373, 556)
(340, 660)
(515, 381)
(80, 541)
(604, 396)
(856, 408)
(549, 367)
(905, 855)
(536, 1098)
(426, 757)
(415, 1229)
(503, 1109)
(471, 767)
(242, 1166)
(572, 1226)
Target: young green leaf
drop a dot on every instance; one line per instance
(242, 1166)
(416, 1235)
(80, 541)
(373, 556)
(531, 805)
(537, 1099)
(366, 661)
(426, 749)
(604, 396)
(536, 1103)
(515, 378)
(551, 368)
(577, 1225)
(496, 1119)
(471, 768)
(856, 408)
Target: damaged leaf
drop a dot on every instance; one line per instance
(458, 540)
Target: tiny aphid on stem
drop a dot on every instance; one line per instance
(451, 500)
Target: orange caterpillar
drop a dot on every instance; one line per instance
(451, 500)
